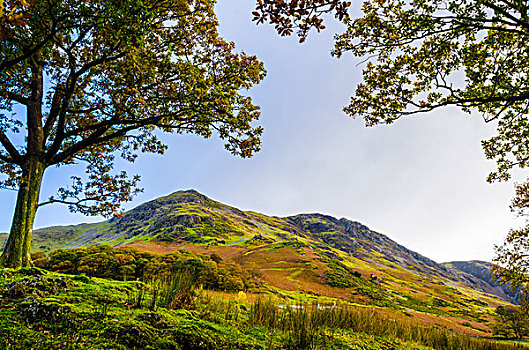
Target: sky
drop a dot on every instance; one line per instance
(420, 181)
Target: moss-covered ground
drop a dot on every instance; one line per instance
(45, 310)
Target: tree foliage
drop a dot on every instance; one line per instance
(300, 15)
(511, 322)
(512, 257)
(13, 13)
(104, 75)
(88, 81)
(130, 264)
(424, 55)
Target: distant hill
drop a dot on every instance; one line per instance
(477, 274)
(307, 253)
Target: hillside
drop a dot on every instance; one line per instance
(303, 256)
(477, 274)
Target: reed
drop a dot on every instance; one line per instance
(304, 326)
(173, 290)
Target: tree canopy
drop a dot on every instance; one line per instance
(511, 322)
(424, 55)
(88, 81)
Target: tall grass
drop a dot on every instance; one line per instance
(305, 327)
(174, 290)
(302, 330)
(300, 327)
(136, 297)
(216, 309)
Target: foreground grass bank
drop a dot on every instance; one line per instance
(43, 310)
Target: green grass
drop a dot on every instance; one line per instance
(43, 310)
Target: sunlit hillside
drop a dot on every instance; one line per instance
(304, 258)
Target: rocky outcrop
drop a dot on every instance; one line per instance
(477, 275)
(357, 239)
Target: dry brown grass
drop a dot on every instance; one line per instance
(279, 268)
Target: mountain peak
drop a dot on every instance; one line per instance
(185, 196)
(189, 192)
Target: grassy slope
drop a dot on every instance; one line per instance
(299, 275)
(57, 311)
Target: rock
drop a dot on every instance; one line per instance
(40, 286)
(38, 311)
(18, 289)
(134, 336)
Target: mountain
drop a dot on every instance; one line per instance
(477, 274)
(312, 254)
(188, 216)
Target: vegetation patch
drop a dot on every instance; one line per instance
(131, 264)
(49, 310)
(341, 276)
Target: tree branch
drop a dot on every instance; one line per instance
(6, 64)
(500, 10)
(53, 200)
(96, 137)
(4, 140)
(60, 135)
(14, 97)
(5, 159)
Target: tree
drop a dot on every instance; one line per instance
(511, 322)
(512, 257)
(88, 81)
(512, 264)
(13, 15)
(425, 55)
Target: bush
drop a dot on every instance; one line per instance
(130, 264)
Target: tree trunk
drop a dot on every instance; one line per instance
(18, 246)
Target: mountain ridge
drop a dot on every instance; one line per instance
(190, 220)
